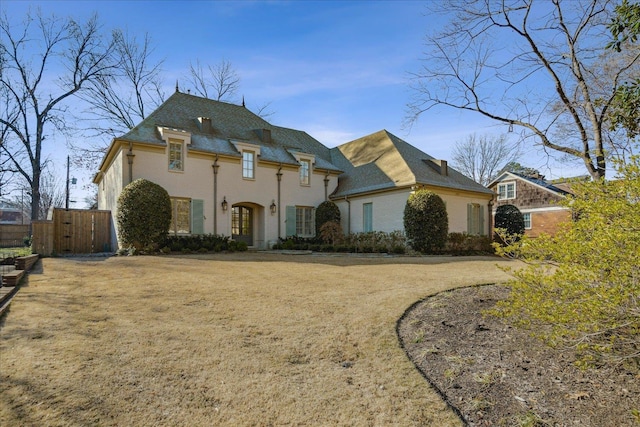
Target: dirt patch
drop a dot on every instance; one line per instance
(495, 375)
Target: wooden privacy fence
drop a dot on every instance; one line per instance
(12, 235)
(73, 231)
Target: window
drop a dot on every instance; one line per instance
(175, 155)
(527, 220)
(248, 164)
(241, 220)
(367, 217)
(304, 221)
(475, 219)
(305, 169)
(180, 216)
(507, 191)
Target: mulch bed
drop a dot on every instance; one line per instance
(495, 375)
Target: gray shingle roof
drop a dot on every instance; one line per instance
(383, 161)
(229, 122)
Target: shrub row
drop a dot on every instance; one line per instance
(191, 244)
(380, 242)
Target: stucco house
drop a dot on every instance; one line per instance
(230, 172)
(537, 199)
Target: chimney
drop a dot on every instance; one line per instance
(205, 124)
(444, 168)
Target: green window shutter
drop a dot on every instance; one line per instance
(483, 229)
(197, 216)
(469, 218)
(291, 220)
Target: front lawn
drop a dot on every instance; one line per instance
(225, 339)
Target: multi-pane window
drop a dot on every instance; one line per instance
(248, 164)
(305, 169)
(527, 220)
(240, 220)
(175, 155)
(367, 217)
(507, 191)
(180, 216)
(475, 220)
(304, 221)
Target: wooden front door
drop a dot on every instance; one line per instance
(242, 224)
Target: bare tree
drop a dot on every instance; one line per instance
(118, 101)
(480, 157)
(536, 65)
(34, 102)
(219, 82)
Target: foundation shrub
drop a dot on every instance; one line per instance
(326, 212)
(426, 222)
(144, 214)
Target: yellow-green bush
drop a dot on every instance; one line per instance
(581, 287)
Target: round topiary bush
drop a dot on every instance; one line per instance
(426, 223)
(509, 218)
(325, 212)
(144, 214)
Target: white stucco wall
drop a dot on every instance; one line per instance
(196, 181)
(388, 210)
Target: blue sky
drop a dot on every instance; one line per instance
(338, 70)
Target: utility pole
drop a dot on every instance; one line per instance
(66, 203)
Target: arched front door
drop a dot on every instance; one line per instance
(242, 224)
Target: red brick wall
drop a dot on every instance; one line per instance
(547, 222)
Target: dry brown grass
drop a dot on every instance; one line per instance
(229, 339)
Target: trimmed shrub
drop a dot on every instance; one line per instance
(510, 219)
(325, 212)
(144, 214)
(426, 223)
(331, 232)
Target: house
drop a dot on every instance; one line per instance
(9, 214)
(537, 199)
(381, 171)
(230, 172)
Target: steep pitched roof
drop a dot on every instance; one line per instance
(229, 122)
(383, 161)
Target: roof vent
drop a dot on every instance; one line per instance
(264, 134)
(205, 124)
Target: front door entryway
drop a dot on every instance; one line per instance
(242, 224)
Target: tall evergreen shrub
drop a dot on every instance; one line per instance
(426, 223)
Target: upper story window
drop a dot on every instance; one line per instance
(248, 164)
(305, 171)
(507, 191)
(176, 155)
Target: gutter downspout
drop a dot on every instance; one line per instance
(130, 157)
(215, 167)
(326, 186)
(346, 199)
(279, 175)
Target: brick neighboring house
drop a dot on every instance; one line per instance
(537, 199)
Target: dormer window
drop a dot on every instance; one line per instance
(176, 155)
(305, 171)
(248, 164)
